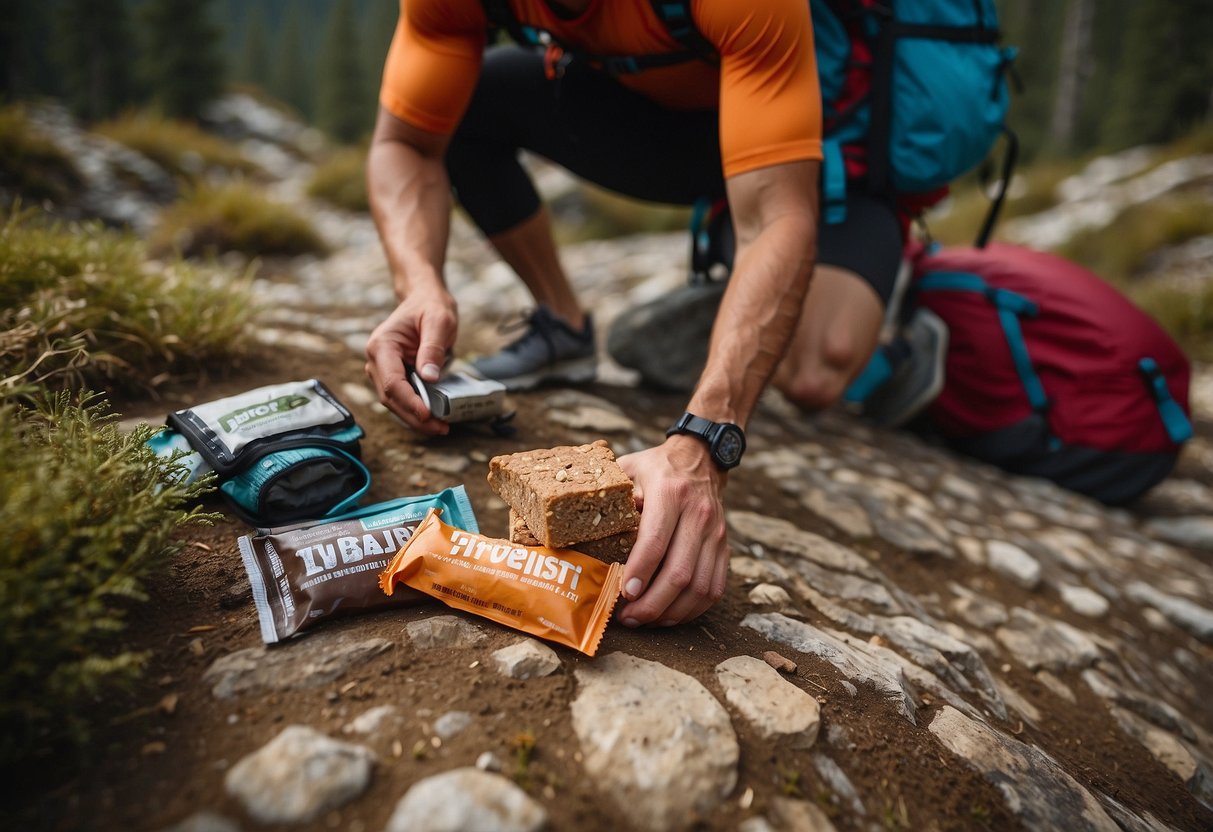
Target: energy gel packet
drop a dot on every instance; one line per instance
(303, 574)
(555, 594)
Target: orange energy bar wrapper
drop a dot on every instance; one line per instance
(555, 594)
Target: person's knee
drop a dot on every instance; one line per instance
(819, 378)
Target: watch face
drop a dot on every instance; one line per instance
(729, 446)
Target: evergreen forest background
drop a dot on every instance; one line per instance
(1096, 74)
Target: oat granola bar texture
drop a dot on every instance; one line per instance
(566, 495)
(617, 547)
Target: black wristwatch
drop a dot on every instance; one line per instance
(725, 440)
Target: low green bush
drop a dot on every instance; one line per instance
(88, 515)
(32, 167)
(179, 147)
(79, 306)
(235, 217)
(341, 180)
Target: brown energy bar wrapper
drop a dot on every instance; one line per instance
(555, 594)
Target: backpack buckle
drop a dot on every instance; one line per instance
(555, 62)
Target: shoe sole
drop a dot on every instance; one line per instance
(572, 371)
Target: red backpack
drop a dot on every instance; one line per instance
(1051, 371)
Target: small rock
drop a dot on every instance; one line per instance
(1041, 642)
(780, 663)
(774, 706)
(310, 663)
(1009, 560)
(370, 721)
(782, 536)
(798, 815)
(1084, 601)
(298, 775)
(844, 794)
(1193, 532)
(1194, 618)
(204, 822)
(526, 659)
(488, 761)
(972, 549)
(444, 631)
(452, 464)
(466, 799)
(452, 723)
(770, 595)
(843, 513)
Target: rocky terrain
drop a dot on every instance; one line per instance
(909, 640)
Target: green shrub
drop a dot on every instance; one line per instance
(1121, 249)
(31, 165)
(179, 147)
(79, 306)
(88, 514)
(212, 220)
(341, 180)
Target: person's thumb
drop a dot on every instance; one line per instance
(436, 338)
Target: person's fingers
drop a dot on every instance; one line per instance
(656, 529)
(386, 370)
(682, 590)
(437, 335)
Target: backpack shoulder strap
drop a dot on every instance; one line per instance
(679, 23)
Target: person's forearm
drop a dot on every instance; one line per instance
(411, 203)
(757, 318)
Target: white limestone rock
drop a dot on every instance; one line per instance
(1194, 532)
(1035, 788)
(656, 743)
(204, 822)
(526, 659)
(769, 595)
(1085, 602)
(1038, 642)
(299, 775)
(779, 710)
(1009, 560)
(1181, 612)
(782, 536)
(843, 513)
(451, 724)
(855, 661)
(370, 721)
(293, 666)
(466, 799)
(444, 631)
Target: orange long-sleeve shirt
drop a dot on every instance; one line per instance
(765, 86)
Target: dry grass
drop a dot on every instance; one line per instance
(341, 180)
(211, 220)
(179, 147)
(32, 167)
(80, 307)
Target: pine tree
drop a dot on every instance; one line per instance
(95, 54)
(254, 65)
(290, 80)
(343, 108)
(184, 65)
(26, 63)
(1165, 73)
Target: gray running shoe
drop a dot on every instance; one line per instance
(917, 379)
(549, 351)
(667, 339)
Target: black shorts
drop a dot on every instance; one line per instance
(620, 140)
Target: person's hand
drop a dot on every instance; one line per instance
(418, 333)
(680, 563)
